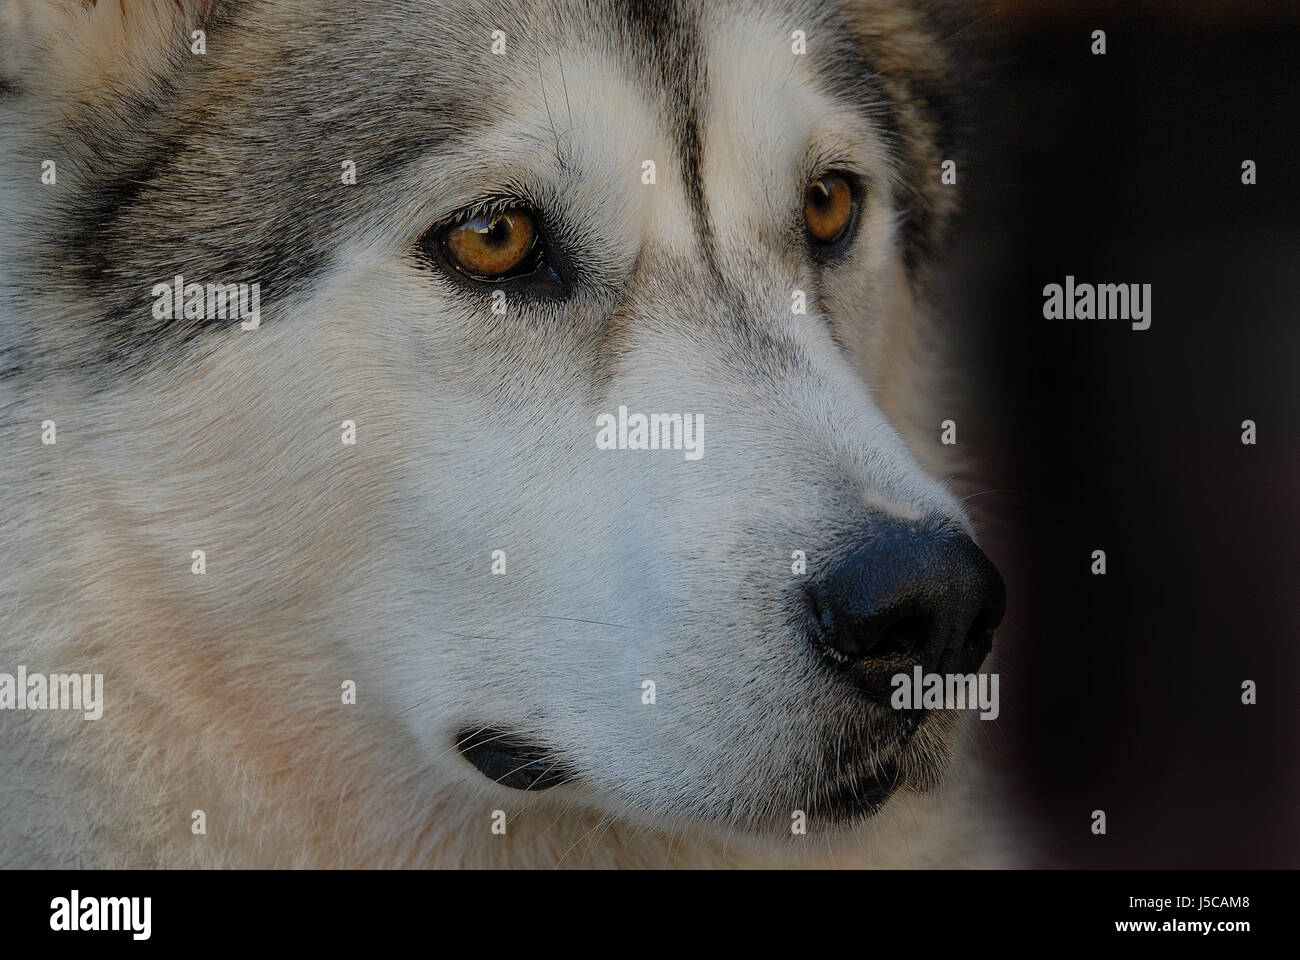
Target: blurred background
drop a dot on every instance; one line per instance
(1123, 692)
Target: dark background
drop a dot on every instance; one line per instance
(1123, 692)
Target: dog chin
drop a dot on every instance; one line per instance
(914, 760)
(849, 801)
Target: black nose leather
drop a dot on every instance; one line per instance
(908, 593)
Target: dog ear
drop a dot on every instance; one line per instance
(96, 50)
(929, 57)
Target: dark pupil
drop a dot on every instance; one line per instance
(819, 194)
(496, 232)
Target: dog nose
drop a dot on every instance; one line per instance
(909, 593)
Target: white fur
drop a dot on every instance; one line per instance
(371, 563)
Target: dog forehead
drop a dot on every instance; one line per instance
(722, 99)
(674, 56)
(290, 90)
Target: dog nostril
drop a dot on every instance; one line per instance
(985, 623)
(903, 635)
(979, 639)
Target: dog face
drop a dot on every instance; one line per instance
(718, 212)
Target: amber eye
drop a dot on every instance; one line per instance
(828, 207)
(493, 245)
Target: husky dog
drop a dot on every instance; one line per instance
(479, 433)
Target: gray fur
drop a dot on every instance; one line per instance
(475, 432)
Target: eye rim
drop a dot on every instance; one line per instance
(542, 274)
(826, 250)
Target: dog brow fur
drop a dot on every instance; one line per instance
(330, 562)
